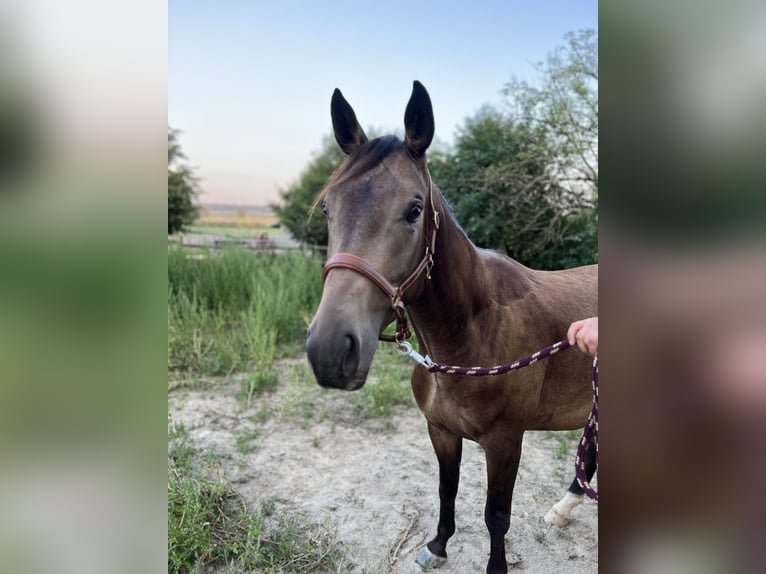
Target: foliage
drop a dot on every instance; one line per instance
(577, 243)
(182, 187)
(565, 106)
(526, 182)
(498, 184)
(295, 210)
(238, 310)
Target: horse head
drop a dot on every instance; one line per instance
(380, 217)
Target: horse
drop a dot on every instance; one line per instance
(394, 244)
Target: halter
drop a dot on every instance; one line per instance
(394, 293)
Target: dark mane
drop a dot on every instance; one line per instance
(366, 157)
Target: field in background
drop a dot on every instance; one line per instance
(251, 227)
(236, 221)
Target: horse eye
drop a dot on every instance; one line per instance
(324, 207)
(414, 213)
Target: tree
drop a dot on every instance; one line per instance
(498, 185)
(565, 106)
(524, 180)
(295, 211)
(182, 187)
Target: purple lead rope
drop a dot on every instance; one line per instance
(589, 437)
(590, 433)
(500, 369)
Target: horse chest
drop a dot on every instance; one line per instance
(454, 408)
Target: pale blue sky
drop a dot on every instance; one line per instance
(249, 83)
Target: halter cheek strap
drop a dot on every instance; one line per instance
(394, 293)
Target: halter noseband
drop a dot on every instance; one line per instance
(395, 294)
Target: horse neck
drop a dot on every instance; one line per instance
(448, 293)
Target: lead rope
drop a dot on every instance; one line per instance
(590, 432)
(589, 437)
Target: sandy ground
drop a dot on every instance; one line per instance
(377, 483)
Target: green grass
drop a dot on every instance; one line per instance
(388, 384)
(260, 380)
(298, 404)
(209, 524)
(567, 442)
(238, 311)
(262, 414)
(387, 389)
(246, 442)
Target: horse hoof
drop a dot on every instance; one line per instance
(428, 560)
(553, 517)
(561, 513)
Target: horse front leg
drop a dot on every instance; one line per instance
(503, 454)
(449, 451)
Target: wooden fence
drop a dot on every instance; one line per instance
(261, 243)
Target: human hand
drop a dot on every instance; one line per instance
(585, 334)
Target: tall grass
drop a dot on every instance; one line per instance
(237, 310)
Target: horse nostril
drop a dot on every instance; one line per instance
(350, 357)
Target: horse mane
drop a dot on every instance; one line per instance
(366, 157)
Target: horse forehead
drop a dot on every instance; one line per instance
(367, 204)
(396, 172)
(402, 171)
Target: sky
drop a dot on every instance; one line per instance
(249, 82)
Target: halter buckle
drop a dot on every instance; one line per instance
(429, 262)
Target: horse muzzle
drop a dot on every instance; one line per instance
(337, 358)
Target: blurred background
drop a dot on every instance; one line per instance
(682, 284)
(83, 132)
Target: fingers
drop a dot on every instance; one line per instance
(585, 334)
(573, 330)
(589, 340)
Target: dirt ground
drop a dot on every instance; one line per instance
(376, 482)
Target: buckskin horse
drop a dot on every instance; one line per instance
(394, 243)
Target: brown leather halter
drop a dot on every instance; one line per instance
(395, 294)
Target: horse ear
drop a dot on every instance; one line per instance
(418, 121)
(348, 133)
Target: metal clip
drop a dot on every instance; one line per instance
(406, 349)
